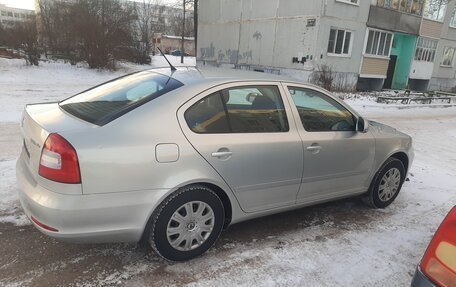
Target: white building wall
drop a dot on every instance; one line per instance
(9, 16)
(421, 70)
(255, 32)
(269, 33)
(444, 78)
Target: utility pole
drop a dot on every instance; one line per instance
(195, 25)
(183, 33)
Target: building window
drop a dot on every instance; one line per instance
(448, 56)
(356, 2)
(339, 42)
(435, 9)
(425, 49)
(453, 19)
(406, 6)
(379, 43)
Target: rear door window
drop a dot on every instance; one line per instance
(208, 116)
(256, 109)
(106, 102)
(248, 109)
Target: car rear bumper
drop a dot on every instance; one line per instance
(105, 217)
(420, 280)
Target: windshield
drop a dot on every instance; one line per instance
(106, 102)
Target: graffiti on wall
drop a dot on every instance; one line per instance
(208, 52)
(225, 56)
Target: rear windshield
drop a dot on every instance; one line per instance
(113, 99)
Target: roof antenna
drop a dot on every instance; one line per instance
(170, 65)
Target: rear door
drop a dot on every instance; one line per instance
(337, 159)
(243, 132)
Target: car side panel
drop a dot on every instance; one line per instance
(264, 170)
(386, 146)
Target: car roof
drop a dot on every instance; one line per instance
(214, 76)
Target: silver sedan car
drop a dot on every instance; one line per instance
(171, 157)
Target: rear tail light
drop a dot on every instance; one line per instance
(439, 261)
(59, 161)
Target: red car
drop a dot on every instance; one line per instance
(438, 266)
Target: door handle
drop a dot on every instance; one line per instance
(314, 147)
(222, 154)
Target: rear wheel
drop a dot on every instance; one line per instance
(386, 184)
(187, 223)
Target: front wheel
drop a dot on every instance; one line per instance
(386, 184)
(187, 223)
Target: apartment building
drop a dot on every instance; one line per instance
(369, 45)
(422, 45)
(10, 16)
(444, 32)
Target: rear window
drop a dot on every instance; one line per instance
(106, 102)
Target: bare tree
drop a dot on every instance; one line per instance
(195, 25)
(23, 37)
(176, 19)
(184, 23)
(3, 35)
(149, 15)
(89, 30)
(29, 36)
(102, 26)
(99, 31)
(323, 77)
(55, 28)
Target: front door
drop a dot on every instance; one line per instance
(337, 159)
(244, 133)
(390, 72)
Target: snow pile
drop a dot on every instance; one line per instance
(10, 210)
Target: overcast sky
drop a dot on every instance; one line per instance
(30, 4)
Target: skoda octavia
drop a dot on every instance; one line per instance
(171, 157)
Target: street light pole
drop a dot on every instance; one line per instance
(183, 32)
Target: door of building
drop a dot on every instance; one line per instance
(390, 73)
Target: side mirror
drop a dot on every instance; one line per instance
(362, 125)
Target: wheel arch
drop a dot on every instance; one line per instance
(220, 192)
(228, 208)
(403, 157)
(397, 154)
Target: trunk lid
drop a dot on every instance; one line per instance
(38, 121)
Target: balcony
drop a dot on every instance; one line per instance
(392, 20)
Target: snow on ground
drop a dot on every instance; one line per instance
(335, 244)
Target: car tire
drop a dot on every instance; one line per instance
(187, 223)
(386, 184)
